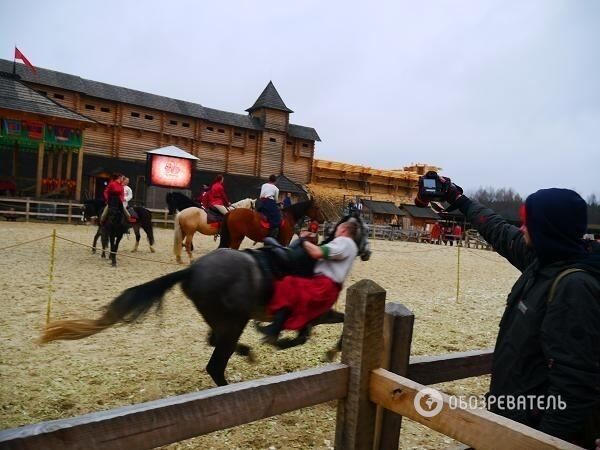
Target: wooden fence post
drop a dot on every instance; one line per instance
(361, 351)
(398, 330)
(27, 206)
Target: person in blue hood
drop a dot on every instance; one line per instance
(548, 345)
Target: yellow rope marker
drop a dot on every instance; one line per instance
(457, 271)
(51, 275)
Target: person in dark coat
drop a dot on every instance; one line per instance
(548, 344)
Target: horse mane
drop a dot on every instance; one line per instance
(298, 210)
(181, 201)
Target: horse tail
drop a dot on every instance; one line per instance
(178, 236)
(131, 305)
(149, 229)
(225, 240)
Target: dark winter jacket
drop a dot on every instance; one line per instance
(546, 346)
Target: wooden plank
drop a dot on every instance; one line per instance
(450, 367)
(361, 351)
(40, 170)
(79, 179)
(478, 428)
(400, 328)
(173, 419)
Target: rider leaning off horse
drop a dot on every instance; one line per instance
(269, 194)
(298, 300)
(115, 187)
(216, 198)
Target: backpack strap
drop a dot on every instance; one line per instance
(559, 277)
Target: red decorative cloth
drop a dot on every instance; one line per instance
(114, 188)
(307, 298)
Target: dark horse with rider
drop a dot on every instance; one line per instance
(292, 287)
(114, 219)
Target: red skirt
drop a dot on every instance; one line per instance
(307, 298)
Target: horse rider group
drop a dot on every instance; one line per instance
(119, 186)
(213, 197)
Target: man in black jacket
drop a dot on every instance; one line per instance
(548, 344)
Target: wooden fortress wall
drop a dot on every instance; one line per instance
(128, 131)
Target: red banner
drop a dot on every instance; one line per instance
(35, 130)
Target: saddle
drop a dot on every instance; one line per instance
(213, 216)
(277, 261)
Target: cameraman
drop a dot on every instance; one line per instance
(549, 338)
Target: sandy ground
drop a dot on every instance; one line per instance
(166, 354)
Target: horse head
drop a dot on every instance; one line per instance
(308, 208)
(362, 235)
(92, 208)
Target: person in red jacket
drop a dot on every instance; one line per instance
(115, 187)
(202, 195)
(216, 197)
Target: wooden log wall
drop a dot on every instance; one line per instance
(276, 120)
(128, 131)
(350, 179)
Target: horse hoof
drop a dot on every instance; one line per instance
(251, 357)
(93, 251)
(134, 250)
(330, 355)
(152, 250)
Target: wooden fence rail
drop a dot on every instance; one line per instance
(478, 428)
(161, 422)
(30, 208)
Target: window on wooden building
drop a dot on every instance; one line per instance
(172, 122)
(250, 136)
(185, 124)
(44, 93)
(149, 117)
(134, 114)
(210, 128)
(59, 96)
(272, 139)
(305, 145)
(221, 130)
(290, 143)
(90, 107)
(237, 133)
(104, 109)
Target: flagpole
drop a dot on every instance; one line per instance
(15, 61)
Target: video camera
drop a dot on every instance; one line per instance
(432, 188)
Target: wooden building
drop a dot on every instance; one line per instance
(418, 218)
(127, 123)
(397, 186)
(40, 142)
(381, 212)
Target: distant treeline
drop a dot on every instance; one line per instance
(506, 202)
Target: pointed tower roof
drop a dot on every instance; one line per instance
(271, 99)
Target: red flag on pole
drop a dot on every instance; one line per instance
(21, 56)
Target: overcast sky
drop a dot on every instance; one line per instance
(498, 93)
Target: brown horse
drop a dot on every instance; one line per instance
(192, 220)
(241, 223)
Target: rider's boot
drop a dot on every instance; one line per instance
(274, 232)
(272, 330)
